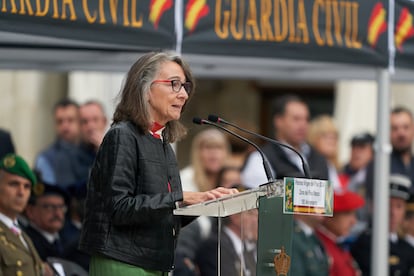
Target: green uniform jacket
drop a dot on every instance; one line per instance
(15, 258)
(308, 255)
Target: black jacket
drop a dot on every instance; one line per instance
(400, 260)
(43, 246)
(6, 143)
(285, 168)
(207, 256)
(397, 166)
(129, 209)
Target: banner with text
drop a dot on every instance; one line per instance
(122, 24)
(404, 33)
(346, 31)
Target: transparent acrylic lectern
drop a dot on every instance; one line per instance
(274, 230)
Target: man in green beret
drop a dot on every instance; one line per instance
(17, 253)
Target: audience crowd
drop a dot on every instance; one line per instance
(48, 219)
(52, 217)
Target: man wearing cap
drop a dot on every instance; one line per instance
(361, 155)
(338, 227)
(18, 256)
(401, 257)
(408, 224)
(354, 174)
(46, 213)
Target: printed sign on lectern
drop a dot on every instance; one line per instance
(307, 196)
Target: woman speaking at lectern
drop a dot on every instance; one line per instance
(134, 186)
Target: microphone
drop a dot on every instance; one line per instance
(266, 164)
(305, 165)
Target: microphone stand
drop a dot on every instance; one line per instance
(305, 165)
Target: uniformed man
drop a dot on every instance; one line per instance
(408, 224)
(401, 257)
(308, 254)
(46, 213)
(17, 253)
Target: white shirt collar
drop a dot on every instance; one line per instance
(238, 247)
(293, 156)
(410, 239)
(159, 132)
(48, 236)
(237, 243)
(8, 221)
(305, 228)
(393, 237)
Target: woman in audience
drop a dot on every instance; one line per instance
(209, 152)
(323, 136)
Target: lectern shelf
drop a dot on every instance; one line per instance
(232, 204)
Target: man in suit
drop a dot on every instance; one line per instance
(238, 252)
(401, 254)
(71, 232)
(46, 213)
(362, 153)
(291, 123)
(6, 143)
(18, 256)
(354, 174)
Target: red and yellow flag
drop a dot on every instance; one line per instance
(377, 24)
(194, 11)
(157, 9)
(404, 28)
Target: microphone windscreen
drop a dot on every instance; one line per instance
(213, 118)
(197, 121)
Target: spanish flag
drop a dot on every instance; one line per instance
(309, 210)
(377, 24)
(157, 9)
(404, 28)
(194, 11)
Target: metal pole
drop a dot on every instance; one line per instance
(380, 240)
(178, 20)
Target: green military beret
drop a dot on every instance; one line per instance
(14, 164)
